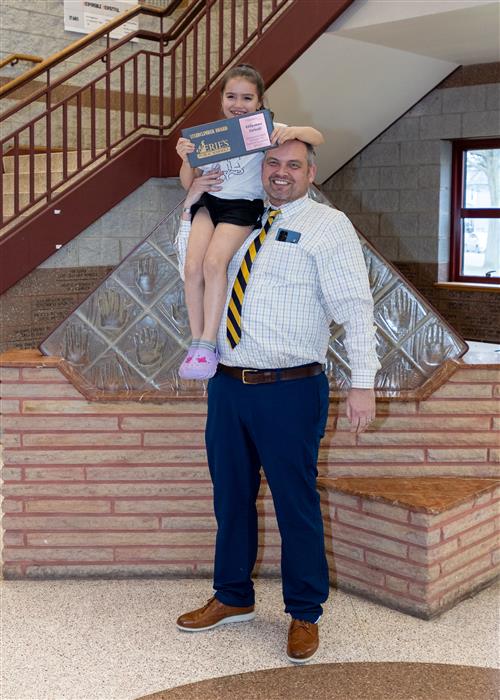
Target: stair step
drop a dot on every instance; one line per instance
(8, 202)
(40, 181)
(19, 219)
(40, 161)
(24, 198)
(40, 177)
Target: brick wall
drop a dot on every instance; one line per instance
(419, 562)
(123, 488)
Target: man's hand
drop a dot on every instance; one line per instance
(360, 409)
(209, 182)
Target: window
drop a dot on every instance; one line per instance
(475, 215)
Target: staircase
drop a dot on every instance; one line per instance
(117, 130)
(28, 196)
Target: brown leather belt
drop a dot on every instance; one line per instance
(267, 376)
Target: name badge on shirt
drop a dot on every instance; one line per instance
(286, 236)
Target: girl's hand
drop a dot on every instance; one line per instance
(183, 147)
(281, 134)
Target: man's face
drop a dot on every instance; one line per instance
(286, 175)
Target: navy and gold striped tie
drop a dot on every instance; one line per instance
(233, 321)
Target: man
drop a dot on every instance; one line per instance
(268, 402)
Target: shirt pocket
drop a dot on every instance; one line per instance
(286, 263)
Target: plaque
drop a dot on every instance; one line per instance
(230, 138)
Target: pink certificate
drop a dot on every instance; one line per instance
(254, 131)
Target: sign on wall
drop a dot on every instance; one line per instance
(83, 16)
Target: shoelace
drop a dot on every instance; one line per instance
(302, 624)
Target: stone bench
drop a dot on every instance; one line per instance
(417, 544)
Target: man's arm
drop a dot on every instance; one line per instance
(210, 182)
(346, 288)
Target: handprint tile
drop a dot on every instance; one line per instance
(163, 238)
(379, 274)
(336, 346)
(77, 342)
(146, 274)
(431, 345)
(148, 346)
(110, 309)
(398, 313)
(171, 308)
(168, 380)
(111, 373)
(398, 374)
(339, 377)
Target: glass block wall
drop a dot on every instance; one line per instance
(130, 335)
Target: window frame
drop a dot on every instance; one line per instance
(460, 212)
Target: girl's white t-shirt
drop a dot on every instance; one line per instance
(242, 177)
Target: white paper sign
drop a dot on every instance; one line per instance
(83, 16)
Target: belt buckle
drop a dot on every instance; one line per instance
(243, 378)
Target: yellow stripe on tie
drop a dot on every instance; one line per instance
(238, 292)
(235, 311)
(233, 327)
(233, 335)
(245, 270)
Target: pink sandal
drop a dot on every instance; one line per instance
(187, 361)
(200, 365)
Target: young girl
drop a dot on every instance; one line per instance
(221, 221)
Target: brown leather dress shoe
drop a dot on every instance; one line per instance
(212, 614)
(303, 641)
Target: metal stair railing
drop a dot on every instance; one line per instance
(136, 92)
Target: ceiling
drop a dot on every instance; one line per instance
(461, 31)
(377, 60)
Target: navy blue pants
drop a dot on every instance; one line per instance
(278, 426)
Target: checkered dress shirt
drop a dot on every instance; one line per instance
(295, 290)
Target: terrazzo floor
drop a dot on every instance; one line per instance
(116, 640)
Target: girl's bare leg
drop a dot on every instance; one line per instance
(226, 240)
(202, 230)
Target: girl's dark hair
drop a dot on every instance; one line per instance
(248, 72)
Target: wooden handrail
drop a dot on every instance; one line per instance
(14, 58)
(69, 50)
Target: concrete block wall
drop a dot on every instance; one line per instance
(38, 29)
(397, 192)
(123, 488)
(109, 239)
(393, 190)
